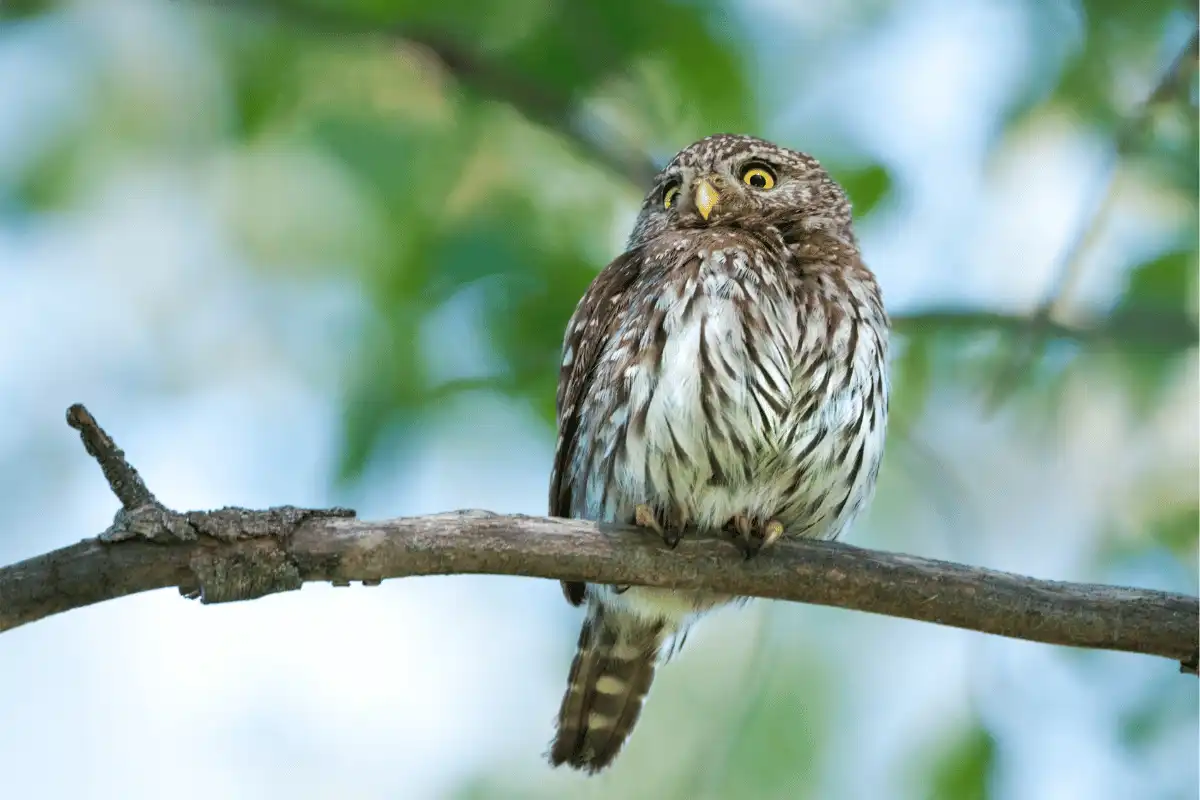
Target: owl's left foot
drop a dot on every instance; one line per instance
(752, 537)
(644, 517)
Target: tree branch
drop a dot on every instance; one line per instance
(238, 554)
(1153, 329)
(122, 478)
(486, 77)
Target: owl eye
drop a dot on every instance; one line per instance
(670, 193)
(759, 176)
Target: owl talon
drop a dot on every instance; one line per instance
(772, 532)
(644, 517)
(742, 525)
(752, 538)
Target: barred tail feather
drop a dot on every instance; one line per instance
(609, 679)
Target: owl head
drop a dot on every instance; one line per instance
(740, 182)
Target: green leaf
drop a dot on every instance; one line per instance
(1163, 286)
(912, 379)
(52, 179)
(13, 10)
(865, 186)
(263, 64)
(486, 247)
(1176, 529)
(1092, 78)
(706, 64)
(527, 316)
(390, 158)
(582, 45)
(1179, 531)
(389, 391)
(407, 170)
(1089, 82)
(963, 770)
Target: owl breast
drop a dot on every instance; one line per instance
(732, 386)
(708, 391)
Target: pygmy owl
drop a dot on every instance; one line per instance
(727, 371)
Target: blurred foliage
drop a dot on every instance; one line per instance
(962, 770)
(1164, 286)
(493, 150)
(448, 117)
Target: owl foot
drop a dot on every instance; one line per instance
(753, 538)
(645, 517)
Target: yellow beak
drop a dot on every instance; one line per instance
(706, 198)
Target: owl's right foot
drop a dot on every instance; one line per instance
(645, 517)
(753, 537)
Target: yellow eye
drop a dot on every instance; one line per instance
(758, 176)
(670, 194)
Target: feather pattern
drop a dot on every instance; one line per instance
(734, 367)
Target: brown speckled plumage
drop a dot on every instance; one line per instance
(724, 367)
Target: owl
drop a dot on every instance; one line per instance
(728, 372)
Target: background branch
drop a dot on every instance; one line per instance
(486, 77)
(238, 554)
(1160, 330)
(1173, 83)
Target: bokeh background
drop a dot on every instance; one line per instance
(317, 252)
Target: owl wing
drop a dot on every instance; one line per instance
(596, 316)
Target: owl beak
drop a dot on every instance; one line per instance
(706, 198)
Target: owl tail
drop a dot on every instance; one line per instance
(609, 679)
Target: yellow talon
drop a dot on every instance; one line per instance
(772, 532)
(755, 537)
(643, 517)
(743, 525)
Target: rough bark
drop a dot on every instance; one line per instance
(239, 554)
